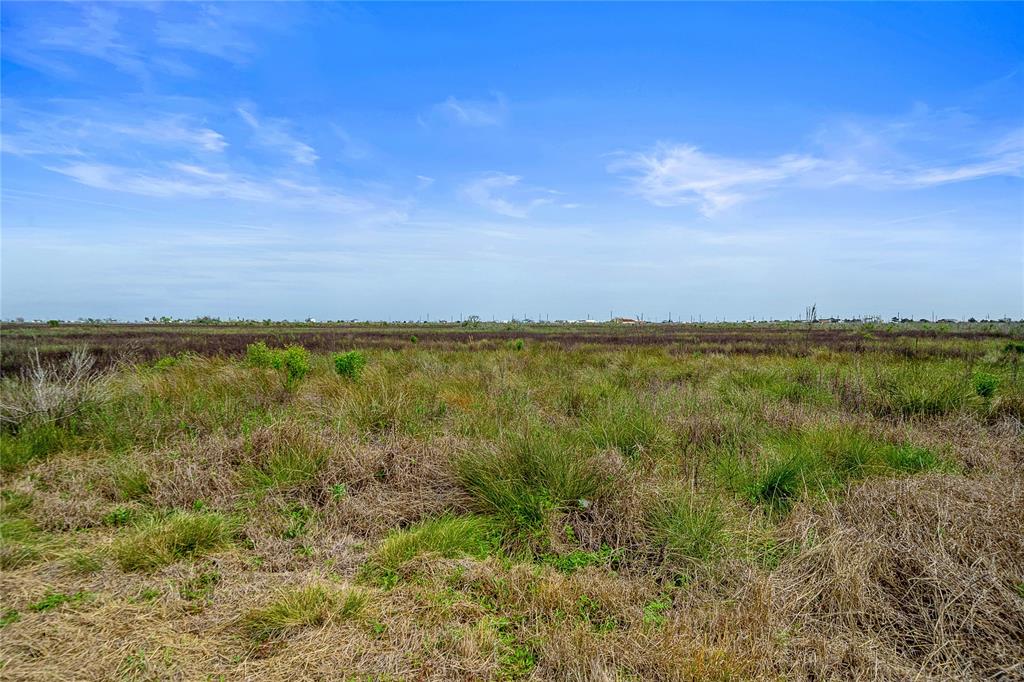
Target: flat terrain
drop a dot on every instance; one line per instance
(112, 342)
(661, 502)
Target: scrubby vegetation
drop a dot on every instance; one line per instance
(350, 364)
(509, 509)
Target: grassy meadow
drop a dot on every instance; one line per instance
(690, 503)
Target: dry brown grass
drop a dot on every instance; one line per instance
(916, 575)
(893, 576)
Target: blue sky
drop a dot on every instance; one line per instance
(403, 160)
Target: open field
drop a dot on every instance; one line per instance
(668, 502)
(147, 342)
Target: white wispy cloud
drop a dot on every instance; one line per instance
(187, 180)
(273, 134)
(673, 175)
(73, 128)
(94, 33)
(503, 194)
(473, 112)
(169, 155)
(213, 31)
(171, 130)
(140, 39)
(923, 149)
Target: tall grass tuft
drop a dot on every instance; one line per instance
(158, 542)
(284, 458)
(529, 476)
(296, 608)
(627, 424)
(691, 531)
(447, 536)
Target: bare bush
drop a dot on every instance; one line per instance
(51, 392)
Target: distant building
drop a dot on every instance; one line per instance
(626, 320)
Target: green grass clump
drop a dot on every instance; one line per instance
(630, 426)
(448, 536)
(130, 481)
(301, 607)
(32, 441)
(783, 478)
(165, 540)
(19, 543)
(797, 386)
(689, 530)
(530, 476)
(796, 464)
(918, 390)
(383, 405)
(350, 364)
(289, 461)
(84, 563)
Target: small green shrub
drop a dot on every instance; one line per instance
(161, 541)
(579, 559)
(985, 384)
(296, 608)
(350, 364)
(165, 363)
(293, 359)
(516, 345)
(448, 536)
(654, 611)
(259, 355)
(297, 517)
(119, 516)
